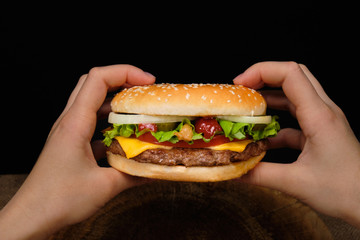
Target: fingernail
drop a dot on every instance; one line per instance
(240, 75)
(149, 74)
(236, 79)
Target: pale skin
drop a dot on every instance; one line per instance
(326, 174)
(67, 186)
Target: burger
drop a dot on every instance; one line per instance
(188, 132)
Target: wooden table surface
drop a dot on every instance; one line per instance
(224, 210)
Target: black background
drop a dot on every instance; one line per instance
(44, 52)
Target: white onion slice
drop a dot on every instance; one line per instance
(118, 118)
(247, 119)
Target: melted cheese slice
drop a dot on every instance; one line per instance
(133, 147)
(233, 146)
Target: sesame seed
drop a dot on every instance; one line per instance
(228, 101)
(187, 96)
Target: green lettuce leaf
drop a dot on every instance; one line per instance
(231, 130)
(269, 130)
(257, 131)
(126, 130)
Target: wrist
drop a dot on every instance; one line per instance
(352, 214)
(350, 210)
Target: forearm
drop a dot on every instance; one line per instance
(25, 217)
(17, 223)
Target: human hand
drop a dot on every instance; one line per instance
(326, 174)
(66, 185)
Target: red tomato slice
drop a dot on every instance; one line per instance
(217, 140)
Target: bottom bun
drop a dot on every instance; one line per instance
(182, 173)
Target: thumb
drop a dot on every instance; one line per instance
(119, 181)
(272, 175)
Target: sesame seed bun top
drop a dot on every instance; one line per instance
(190, 100)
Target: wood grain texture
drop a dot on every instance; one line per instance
(223, 210)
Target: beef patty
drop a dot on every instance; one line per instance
(194, 156)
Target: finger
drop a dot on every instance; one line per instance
(120, 181)
(100, 79)
(294, 82)
(289, 138)
(297, 87)
(272, 175)
(75, 92)
(319, 89)
(276, 99)
(70, 101)
(93, 92)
